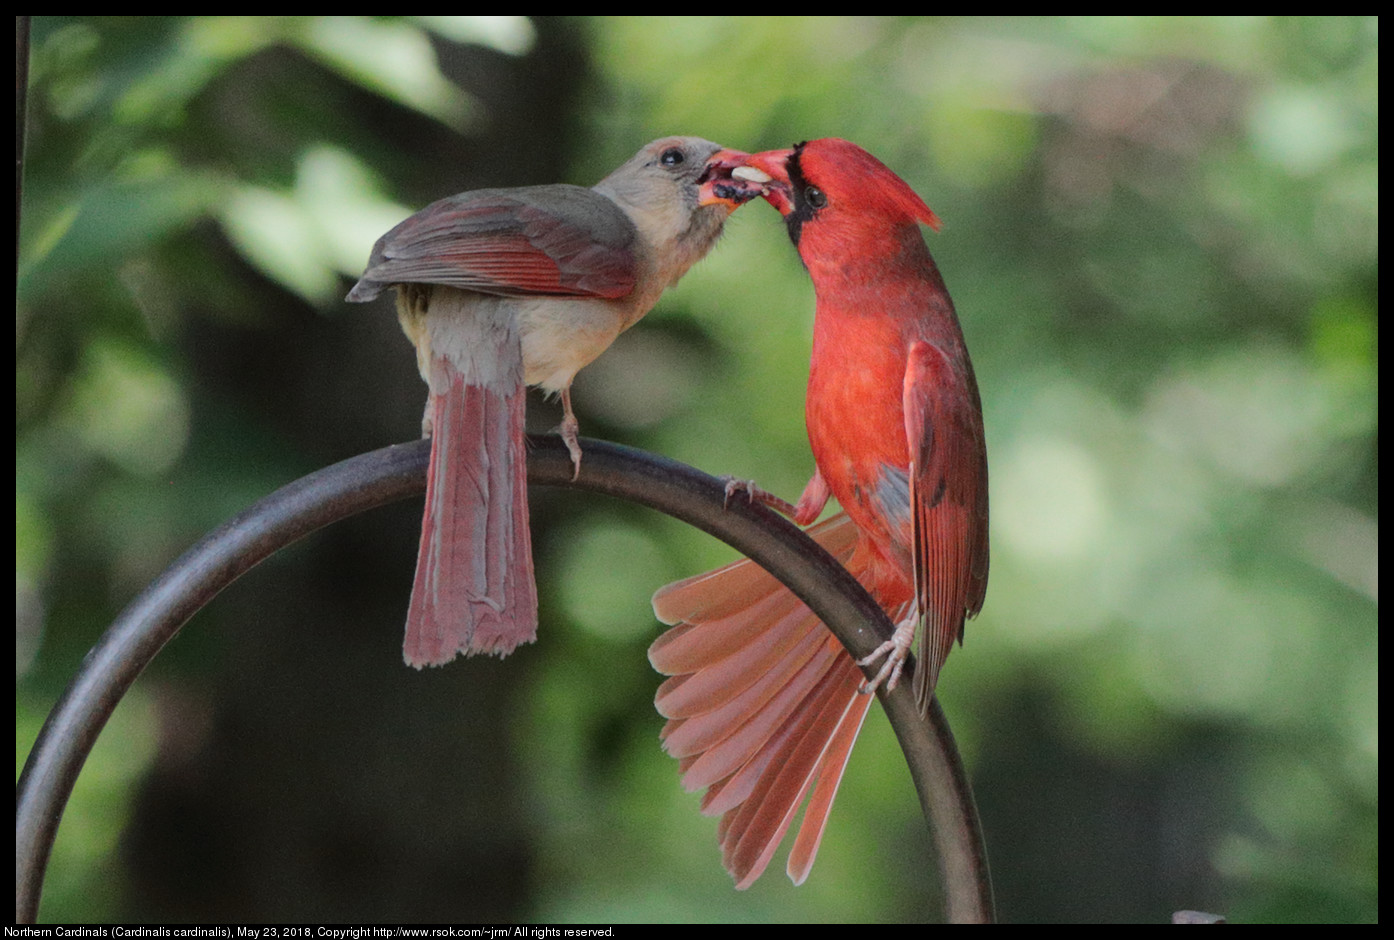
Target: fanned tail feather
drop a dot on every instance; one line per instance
(763, 706)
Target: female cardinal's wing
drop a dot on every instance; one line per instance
(948, 499)
(553, 240)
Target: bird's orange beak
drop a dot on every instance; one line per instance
(719, 187)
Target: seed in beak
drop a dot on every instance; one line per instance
(751, 174)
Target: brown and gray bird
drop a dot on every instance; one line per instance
(503, 288)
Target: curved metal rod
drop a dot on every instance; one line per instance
(383, 476)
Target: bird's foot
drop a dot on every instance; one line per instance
(754, 494)
(570, 433)
(896, 649)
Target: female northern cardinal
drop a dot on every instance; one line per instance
(763, 702)
(498, 288)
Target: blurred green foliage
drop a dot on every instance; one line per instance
(1162, 238)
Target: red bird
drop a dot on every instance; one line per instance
(763, 702)
(498, 288)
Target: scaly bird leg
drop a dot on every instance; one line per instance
(895, 650)
(570, 432)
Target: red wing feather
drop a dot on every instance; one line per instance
(948, 500)
(549, 240)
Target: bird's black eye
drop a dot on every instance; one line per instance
(672, 157)
(815, 197)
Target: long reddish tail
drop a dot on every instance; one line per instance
(762, 705)
(474, 590)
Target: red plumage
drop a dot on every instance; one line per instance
(895, 424)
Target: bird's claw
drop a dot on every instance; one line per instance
(754, 494)
(570, 434)
(734, 486)
(896, 649)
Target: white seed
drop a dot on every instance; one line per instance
(751, 174)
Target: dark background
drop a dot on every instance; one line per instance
(1161, 235)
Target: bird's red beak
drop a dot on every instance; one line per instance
(719, 187)
(769, 169)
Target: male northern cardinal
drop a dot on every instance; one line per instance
(763, 701)
(502, 288)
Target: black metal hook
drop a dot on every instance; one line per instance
(384, 476)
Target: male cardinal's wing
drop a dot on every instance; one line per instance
(948, 499)
(556, 240)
